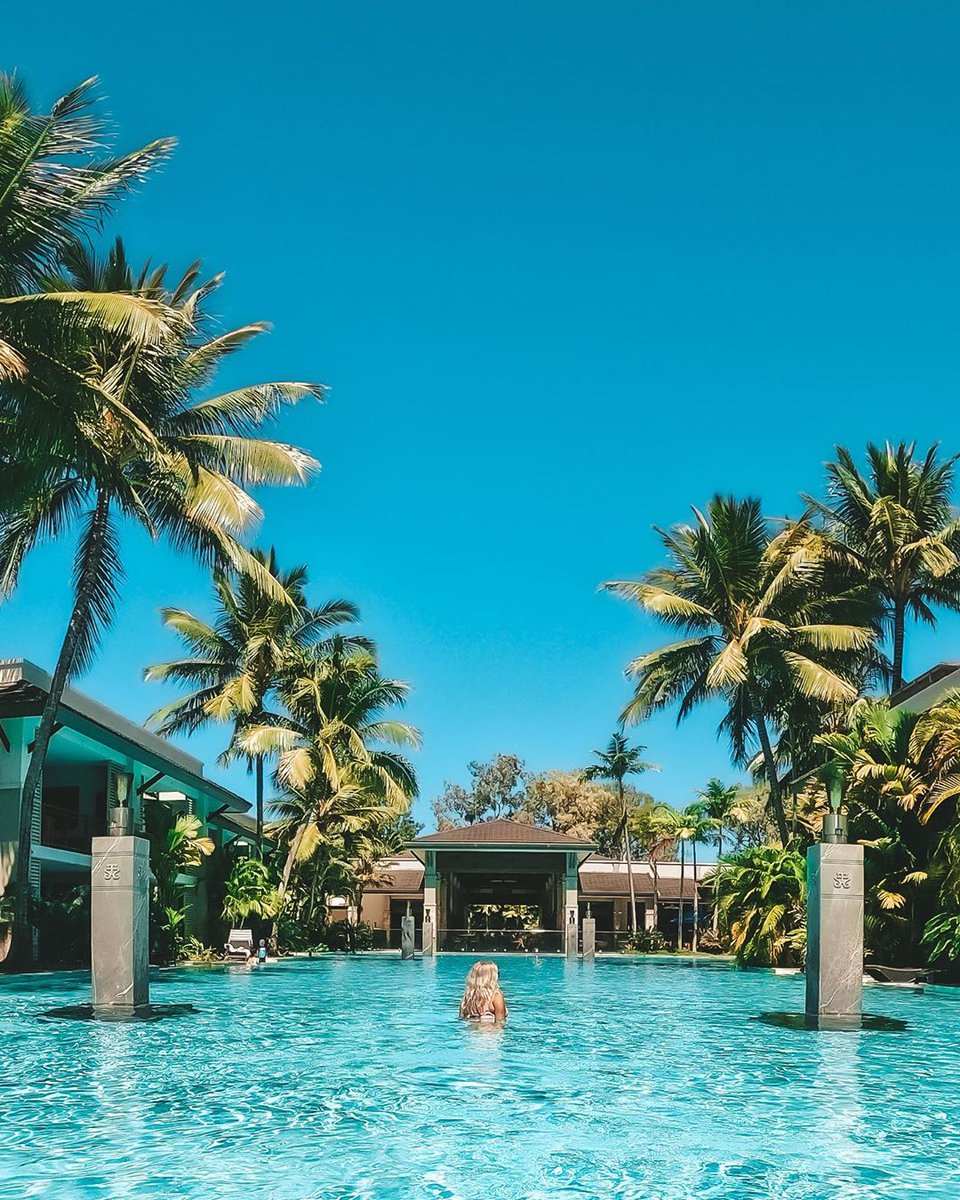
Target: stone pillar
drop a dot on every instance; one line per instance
(571, 906)
(430, 890)
(406, 937)
(120, 922)
(429, 934)
(834, 935)
(589, 939)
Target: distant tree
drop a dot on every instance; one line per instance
(398, 832)
(568, 803)
(615, 762)
(497, 790)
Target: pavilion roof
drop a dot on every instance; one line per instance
(501, 833)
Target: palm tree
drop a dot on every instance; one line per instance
(328, 740)
(676, 825)
(617, 761)
(699, 827)
(655, 837)
(719, 803)
(137, 444)
(238, 659)
(895, 526)
(765, 630)
(54, 189)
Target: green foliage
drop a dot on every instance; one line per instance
(942, 937)
(496, 790)
(894, 530)
(192, 950)
(250, 892)
(349, 936)
(761, 895)
(775, 637)
(63, 926)
(176, 845)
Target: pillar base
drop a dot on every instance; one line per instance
(589, 939)
(834, 994)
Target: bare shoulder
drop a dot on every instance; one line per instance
(499, 1006)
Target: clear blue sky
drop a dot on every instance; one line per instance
(567, 269)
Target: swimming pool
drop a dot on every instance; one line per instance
(352, 1079)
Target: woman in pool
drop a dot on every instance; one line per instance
(482, 998)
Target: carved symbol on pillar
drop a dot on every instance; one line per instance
(842, 881)
(111, 872)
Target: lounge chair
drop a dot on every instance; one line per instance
(239, 945)
(911, 976)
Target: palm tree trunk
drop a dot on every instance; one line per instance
(683, 871)
(656, 894)
(696, 898)
(291, 859)
(92, 560)
(899, 623)
(259, 770)
(715, 923)
(628, 858)
(776, 799)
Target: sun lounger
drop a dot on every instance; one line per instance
(239, 944)
(901, 975)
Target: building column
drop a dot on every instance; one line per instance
(430, 915)
(571, 906)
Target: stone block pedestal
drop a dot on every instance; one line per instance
(120, 923)
(406, 937)
(589, 939)
(834, 936)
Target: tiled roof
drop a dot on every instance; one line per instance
(396, 882)
(501, 832)
(617, 883)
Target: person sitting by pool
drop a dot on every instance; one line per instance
(482, 997)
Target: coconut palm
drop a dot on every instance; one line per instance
(895, 527)
(766, 630)
(655, 837)
(719, 803)
(328, 742)
(616, 762)
(238, 660)
(138, 445)
(700, 826)
(677, 826)
(55, 187)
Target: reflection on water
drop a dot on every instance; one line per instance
(355, 1079)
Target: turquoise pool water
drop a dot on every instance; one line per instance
(353, 1080)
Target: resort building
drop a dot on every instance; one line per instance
(99, 760)
(928, 689)
(509, 885)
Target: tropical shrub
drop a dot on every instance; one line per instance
(761, 894)
(347, 935)
(250, 892)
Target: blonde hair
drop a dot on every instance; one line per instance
(483, 983)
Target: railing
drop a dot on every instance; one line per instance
(389, 939)
(64, 830)
(501, 941)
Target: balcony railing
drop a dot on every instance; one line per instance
(64, 830)
(501, 941)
